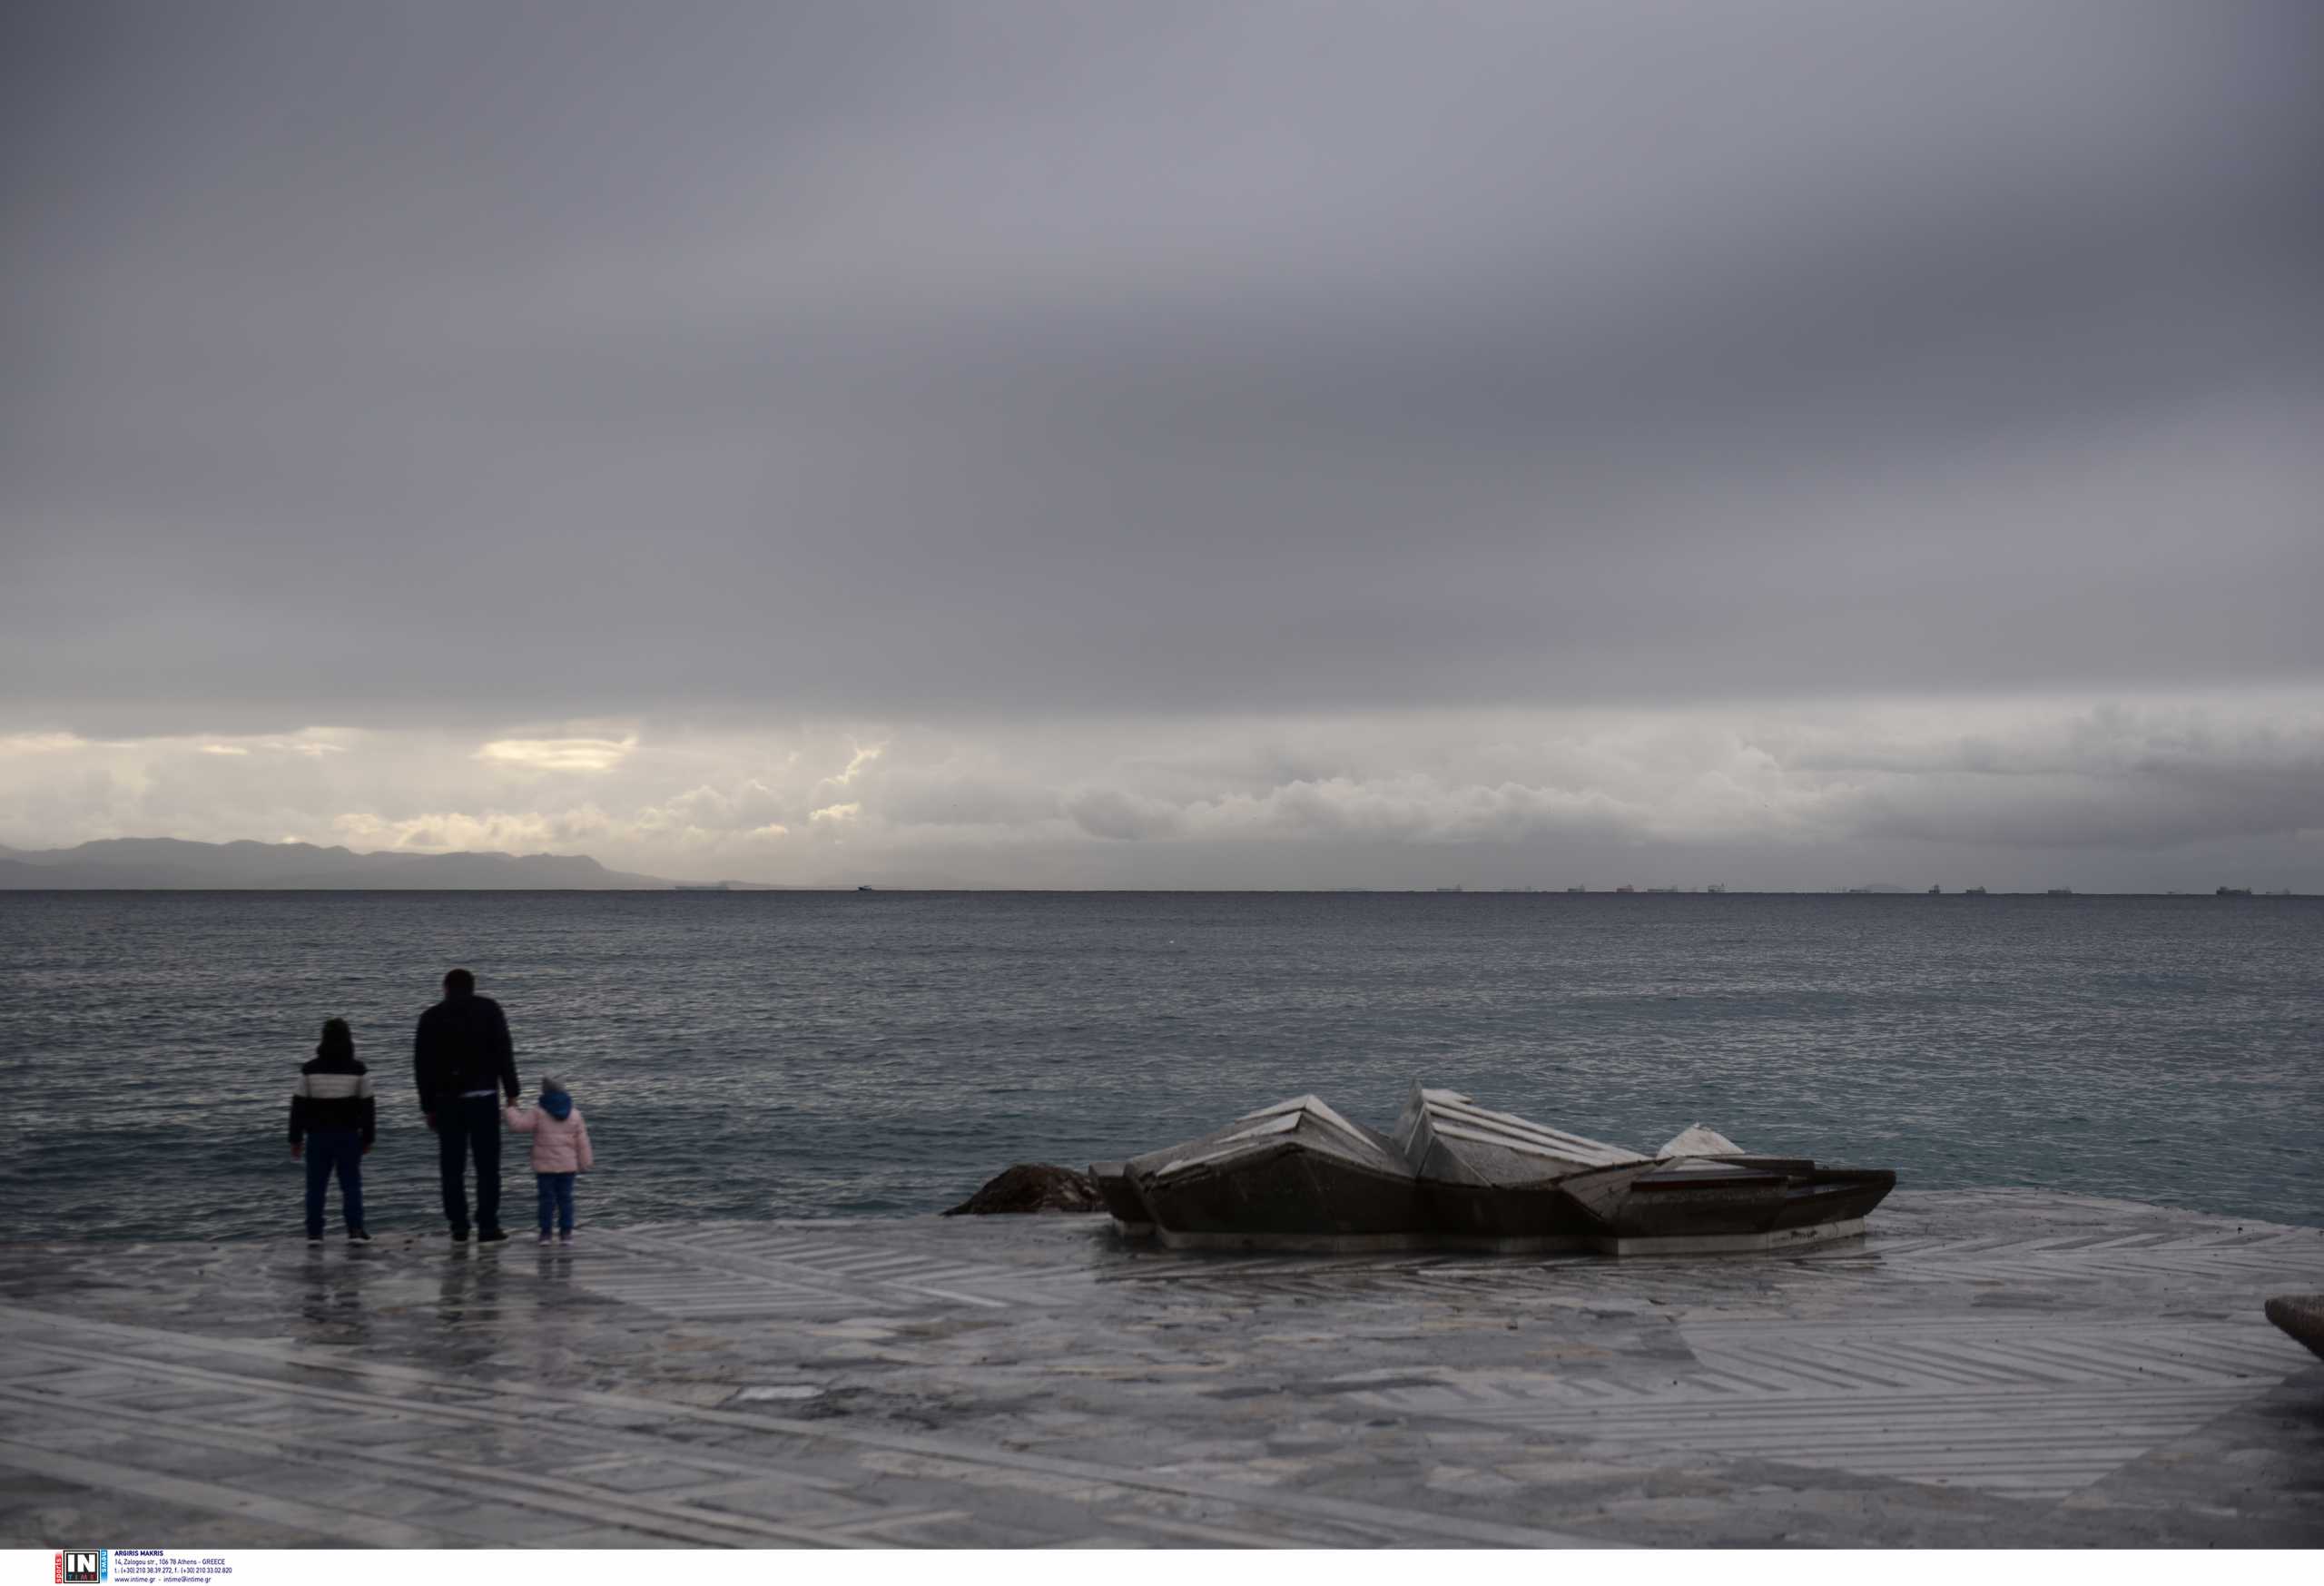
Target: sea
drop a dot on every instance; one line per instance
(743, 1054)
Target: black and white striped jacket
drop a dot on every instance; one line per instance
(333, 1093)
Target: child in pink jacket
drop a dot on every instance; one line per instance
(560, 1150)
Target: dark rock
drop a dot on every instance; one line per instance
(1033, 1186)
(2302, 1316)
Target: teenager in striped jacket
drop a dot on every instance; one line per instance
(332, 1120)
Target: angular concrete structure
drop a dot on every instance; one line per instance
(1299, 1175)
(1491, 1179)
(1445, 1135)
(1697, 1141)
(1293, 1174)
(1697, 1205)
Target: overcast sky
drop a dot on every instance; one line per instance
(1089, 443)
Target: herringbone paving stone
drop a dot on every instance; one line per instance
(1985, 1368)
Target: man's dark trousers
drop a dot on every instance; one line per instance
(470, 1125)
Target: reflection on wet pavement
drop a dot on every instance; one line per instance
(1987, 1368)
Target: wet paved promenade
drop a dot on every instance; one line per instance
(1985, 1369)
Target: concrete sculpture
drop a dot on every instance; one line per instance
(1299, 1175)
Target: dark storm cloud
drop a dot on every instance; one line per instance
(557, 360)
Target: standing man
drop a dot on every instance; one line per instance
(462, 1059)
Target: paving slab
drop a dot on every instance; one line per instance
(1982, 1368)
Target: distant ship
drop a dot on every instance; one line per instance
(1936, 892)
(1716, 887)
(863, 889)
(1577, 889)
(703, 887)
(1972, 891)
(2232, 892)
(1662, 888)
(1626, 888)
(1449, 889)
(2061, 891)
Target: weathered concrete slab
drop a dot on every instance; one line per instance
(1983, 1369)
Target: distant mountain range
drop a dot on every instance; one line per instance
(165, 863)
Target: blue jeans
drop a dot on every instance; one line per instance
(557, 1195)
(328, 1150)
(470, 1125)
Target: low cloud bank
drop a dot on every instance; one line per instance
(2117, 795)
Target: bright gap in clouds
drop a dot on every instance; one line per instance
(558, 754)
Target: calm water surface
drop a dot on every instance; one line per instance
(812, 1054)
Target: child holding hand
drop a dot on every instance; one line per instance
(560, 1151)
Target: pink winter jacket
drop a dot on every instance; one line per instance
(559, 1145)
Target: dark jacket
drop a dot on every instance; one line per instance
(333, 1093)
(462, 1045)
